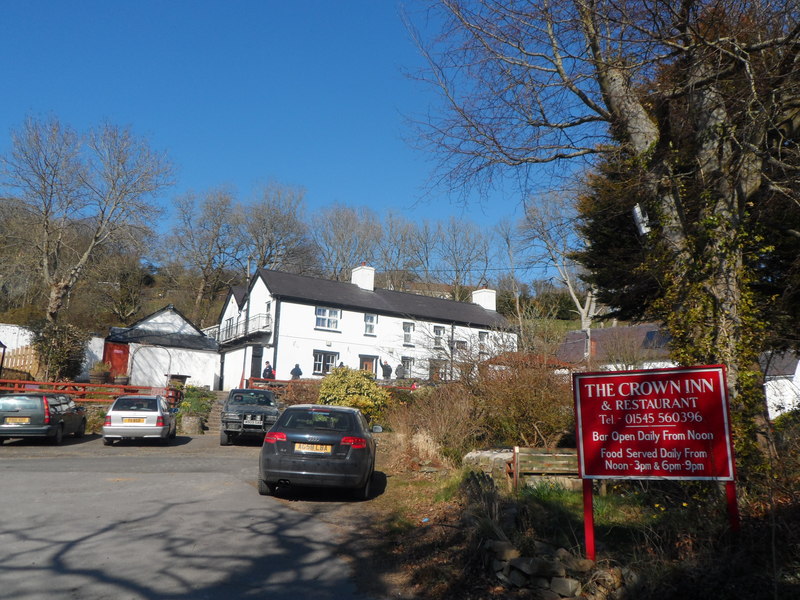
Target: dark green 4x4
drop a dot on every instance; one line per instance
(247, 413)
(40, 414)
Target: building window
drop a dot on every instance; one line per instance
(438, 334)
(437, 369)
(460, 347)
(328, 318)
(483, 337)
(408, 366)
(408, 330)
(369, 324)
(324, 361)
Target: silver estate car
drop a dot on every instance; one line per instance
(139, 417)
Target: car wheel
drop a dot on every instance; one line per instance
(58, 438)
(81, 431)
(107, 442)
(266, 489)
(364, 492)
(224, 439)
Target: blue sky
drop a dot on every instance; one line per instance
(306, 93)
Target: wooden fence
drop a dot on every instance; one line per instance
(22, 359)
(94, 392)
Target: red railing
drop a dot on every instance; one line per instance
(87, 392)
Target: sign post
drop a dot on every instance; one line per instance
(653, 424)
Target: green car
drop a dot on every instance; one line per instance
(40, 414)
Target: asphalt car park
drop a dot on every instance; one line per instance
(139, 520)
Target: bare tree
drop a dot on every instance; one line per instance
(206, 241)
(464, 255)
(424, 250)
(548, 230)
(79, 192)
(273, 232)
(395, 252)
(345, 237)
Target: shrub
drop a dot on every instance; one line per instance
(196, 401)
(60, 348)
(351, 387)
(444, 422)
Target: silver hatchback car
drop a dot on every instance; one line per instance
(139, 417)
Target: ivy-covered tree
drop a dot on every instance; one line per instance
(694, 102)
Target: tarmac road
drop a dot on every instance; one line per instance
(141, 521)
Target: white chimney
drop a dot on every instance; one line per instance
(486, 298)
(364, 277)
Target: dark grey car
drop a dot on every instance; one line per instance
(247, 413)
(40, 414)
(318, 446)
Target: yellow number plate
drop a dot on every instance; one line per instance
(318, 448)
(132, 420)
(20, 420)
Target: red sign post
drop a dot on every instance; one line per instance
(653, 424)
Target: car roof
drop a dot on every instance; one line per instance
(148, 397)
(335, 407)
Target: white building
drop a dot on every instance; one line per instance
(162, 347)
(319, 324)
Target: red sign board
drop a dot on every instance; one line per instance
(654, 424)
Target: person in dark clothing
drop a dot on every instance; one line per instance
(296, 373)
(400, 371)
(386, 369)
(269, 372)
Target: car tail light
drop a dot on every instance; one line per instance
(160, 421)
(355, 442)
(274, 436)
(46, 410)
(107, 421)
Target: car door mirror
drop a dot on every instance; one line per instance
(377, 429)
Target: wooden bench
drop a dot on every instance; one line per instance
(541, 462)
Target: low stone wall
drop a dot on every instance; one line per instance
(555, 573)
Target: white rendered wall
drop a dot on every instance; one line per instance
(150, 365)
(14, 336)
(299, 338)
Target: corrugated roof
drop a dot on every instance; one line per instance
(346, 295)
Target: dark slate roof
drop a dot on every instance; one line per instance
(133, 334)
(126, 335)
(647, 337)
(779, 364)
(346, 295)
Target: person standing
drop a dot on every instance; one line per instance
(296, 373)
(268, 372)
(386, 369)
(400, 371)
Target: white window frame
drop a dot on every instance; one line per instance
(370, 320)
(408, 333)
(324, 361)
(327, 318)
(438, 336)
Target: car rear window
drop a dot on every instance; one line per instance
(254, 398)
(142, 404)
(317, 419)
(20, 402)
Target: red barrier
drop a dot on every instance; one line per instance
(81, 392)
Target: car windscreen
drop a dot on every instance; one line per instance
(257, 398)
(316, 419)
(134, 404)
(20, 402)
